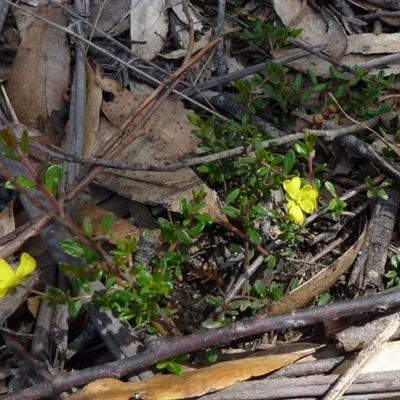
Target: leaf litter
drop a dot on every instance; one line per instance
(167, 137)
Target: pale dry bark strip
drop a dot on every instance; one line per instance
(362, 359)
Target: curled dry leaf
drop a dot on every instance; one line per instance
(166, 139)
(168, 387)
(40, 72)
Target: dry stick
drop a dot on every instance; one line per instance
(362, 359)
(189, 52)
(169, 347)
(11, 242)
(191, 162)
(240, 282)
(219, 54)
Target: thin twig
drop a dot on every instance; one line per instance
(190, 162)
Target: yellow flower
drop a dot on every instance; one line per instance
(300, 200)
(10, 279)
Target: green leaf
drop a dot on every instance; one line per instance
(162, 364)
(185, 238)
(324, 299)
(337, 74)
(204, 169)
(330, 188)
(174, 367)
(87, 227)
(194, 119)
(232, 195)
(290, 159)
(11, 155)
(395, 261)
(215, 301)
(9, 186)
(300, 148)
(52, 177)
(106, 222)
(319, 88)
(259, 289)
(258, 211)
(209, 324)
(55, 296)
(312, 77)
(144, 278)
(25, 182)
(320, 167)
(254, 235)
(270, 261)
(74, 307)
(211, 355)
(206, 218)
(275, 292)
(263, 171)
(381, 193)
(391, 274)
(230, 211)
(72, 247)
(196, 230)
(294, 284)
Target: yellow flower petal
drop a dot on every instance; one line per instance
(6, 273)
(296, 214)
(307, 205)
(307, 191)
(25, 267)
(292, 186)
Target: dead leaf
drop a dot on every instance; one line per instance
(149, 23)
(40, 72)
(319, 283)
(191, 383)
(315, 28)
(167, 138)
(369, 43)
(110, 16)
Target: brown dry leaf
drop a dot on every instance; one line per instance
(319, 283)
(167, 139)
(41, 70)
(120, 229)
(191, 383)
